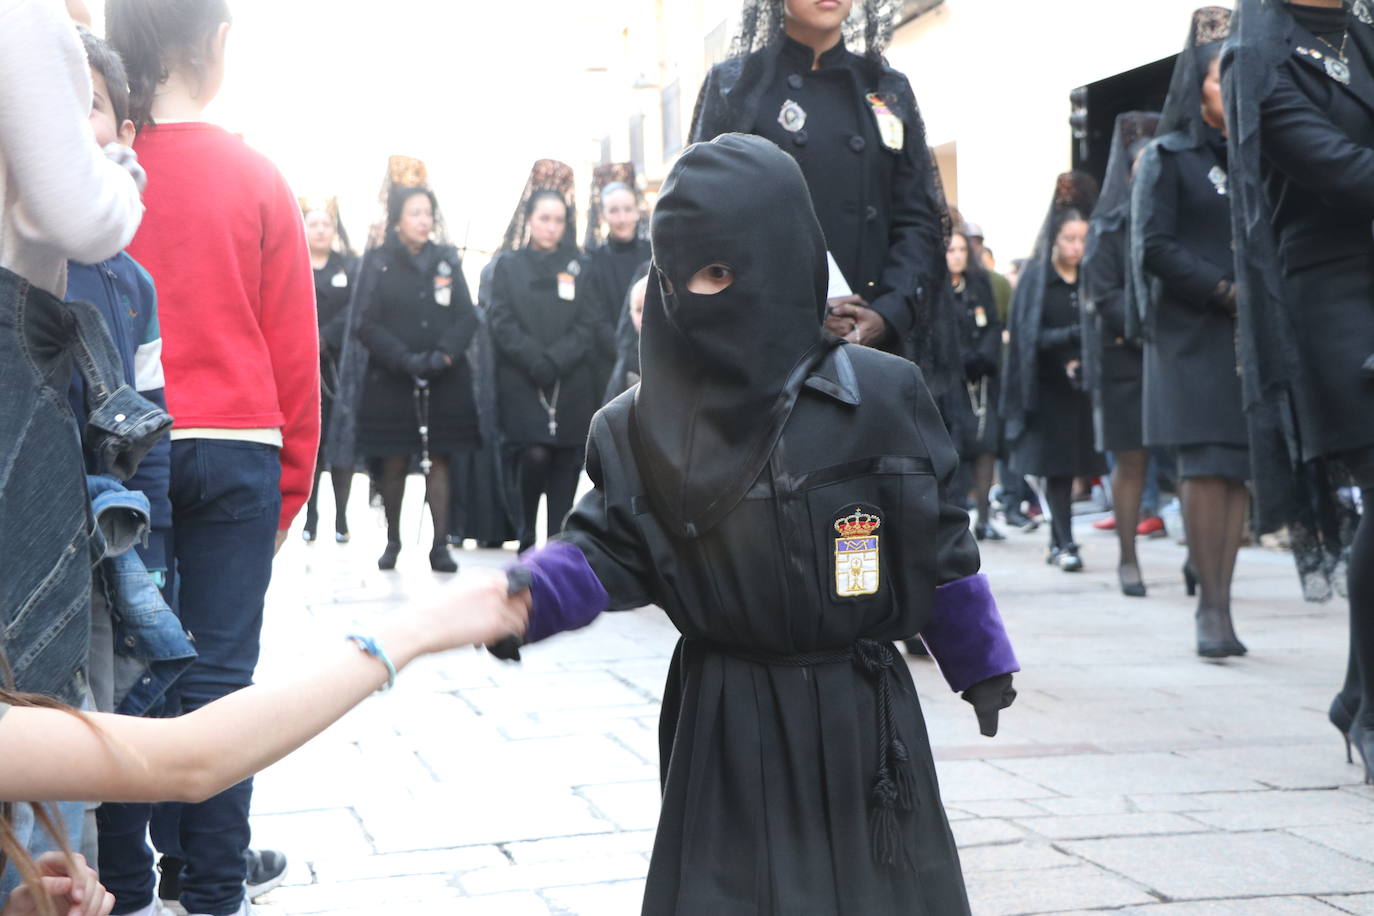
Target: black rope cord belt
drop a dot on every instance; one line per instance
(894, 785)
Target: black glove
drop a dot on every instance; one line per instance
(415, 364)
(988, 697)
(544, 373)
(518, 578)
(1224, 298)
(437, 362)
(1069, 336)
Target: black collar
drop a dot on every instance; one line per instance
(835, 377)
(801, 56)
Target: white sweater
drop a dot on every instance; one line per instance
(62, 198)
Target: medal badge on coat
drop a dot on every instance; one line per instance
(567, 282)
(1362, 12)
(1219, 179)
(857, 569)
(792, 117)
(339, 280)
(443, 284)
(890, 127)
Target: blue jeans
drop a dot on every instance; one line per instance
(226, 500)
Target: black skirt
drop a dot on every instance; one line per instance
(389, 419)
(1334, 310)
(1058, 440)
(1213, 459)
(1117, 420)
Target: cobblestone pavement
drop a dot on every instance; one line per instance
(1130, 776)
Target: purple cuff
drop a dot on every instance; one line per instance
(566, 594)
(965, 635)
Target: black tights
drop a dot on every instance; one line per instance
(342, 479)
(1214, 516)
(551, 471)
(984, 466)
(1358, 692)
(1128, 482)
(1059, 493)
(391, 483)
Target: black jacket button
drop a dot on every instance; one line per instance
(857, 143)
(800, 137)
(794, 81)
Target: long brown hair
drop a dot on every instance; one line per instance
(11, 850)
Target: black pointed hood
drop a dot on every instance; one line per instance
(721, 373)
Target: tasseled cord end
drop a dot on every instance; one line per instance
(886, 835)
(906, 782)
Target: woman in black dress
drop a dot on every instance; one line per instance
(615, 255)
(1300, 85)
(1112, 361)
(980, 332)
(545, 378)
(1182, 258)
(336, 269)
(1049, 416)
(415, 320)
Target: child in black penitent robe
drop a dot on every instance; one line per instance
(777, 493)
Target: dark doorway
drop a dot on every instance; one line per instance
(1141, 89)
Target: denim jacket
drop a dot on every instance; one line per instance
(45, 517)
(151, 648)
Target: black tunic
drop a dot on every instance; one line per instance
(1318, 146)
(876, 205)
(543, 348)
(1192, 388)
(1058, 437)
(1116, 375)
(606, 277)
(420, 304)
(766, 768)
(980, 332)
(333, 285)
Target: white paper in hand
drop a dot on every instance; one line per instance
(837, 288)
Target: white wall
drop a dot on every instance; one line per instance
(995, 76)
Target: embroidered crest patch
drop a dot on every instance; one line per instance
(857, 568)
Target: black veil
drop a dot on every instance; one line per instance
(330, 205)
(1290, 492)
(1075, 195)
(1181, 127)
(1133, 132)
(868, 30)
(603, 176)
(546, 175)
(403, 174)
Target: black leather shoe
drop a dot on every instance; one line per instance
(441, 561)
(1020, 520)
(1132, 585)
(1069, 560)
(388, 558)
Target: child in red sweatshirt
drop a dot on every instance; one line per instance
(223, 240)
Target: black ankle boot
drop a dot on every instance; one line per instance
(440, 560)
(388, 557)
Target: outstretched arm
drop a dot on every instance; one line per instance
(54, 754)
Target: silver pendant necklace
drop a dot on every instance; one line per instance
(1338, 67)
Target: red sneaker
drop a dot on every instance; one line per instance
(1106, 524)
(1152, 527)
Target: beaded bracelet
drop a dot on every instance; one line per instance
(374, 648)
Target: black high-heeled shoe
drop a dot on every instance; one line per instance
(440, 560)
(341, 535)
(388, 557)
(1190, 578)
(1131, 589)
(1363, 739)
(1343, 717)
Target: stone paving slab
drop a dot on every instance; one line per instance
(1130, 776)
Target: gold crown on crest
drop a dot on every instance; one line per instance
(858, 525)
(407, 171)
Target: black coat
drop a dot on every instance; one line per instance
(543, 342)
(980, 333)
(761, 762)
(1057, 440)
(418, 304)
(877, 206)
(1113, 365)
(1192, 388)
(333, 286)
(1319, 173)
(606, 277)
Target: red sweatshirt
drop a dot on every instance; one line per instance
(223, 239)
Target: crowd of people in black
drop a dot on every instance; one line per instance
(1199, 316)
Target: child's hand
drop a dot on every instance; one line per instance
(475, 609)
(69, 886)
(125, 157)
